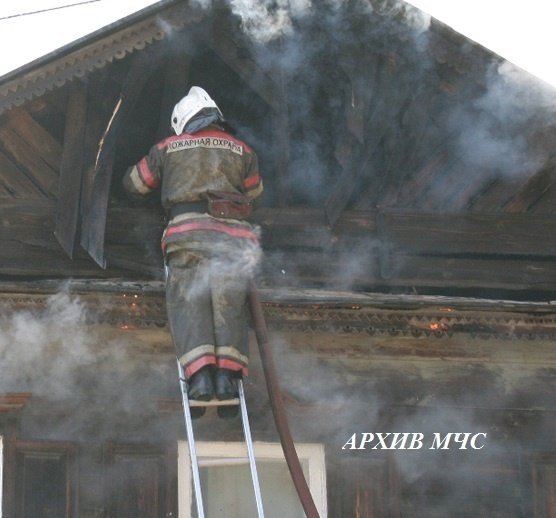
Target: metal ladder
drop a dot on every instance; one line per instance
(187, 404)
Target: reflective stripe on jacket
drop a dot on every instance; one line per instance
(187, 165)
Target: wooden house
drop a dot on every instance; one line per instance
(408, 279)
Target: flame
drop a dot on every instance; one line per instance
(438, 327)
(127, 327)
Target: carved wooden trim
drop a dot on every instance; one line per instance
(136, 307)
(92, 56)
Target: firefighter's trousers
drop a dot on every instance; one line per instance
(207, 311)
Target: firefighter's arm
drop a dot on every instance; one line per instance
(144, 177)
(253, 183)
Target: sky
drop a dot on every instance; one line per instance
(521, 32)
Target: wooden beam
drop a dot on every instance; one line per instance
(411, 250)
(480, 234)
(71, 170)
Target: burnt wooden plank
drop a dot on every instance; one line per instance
(15, 183)
(71, 170)
(496, 194)
(502, 234)
(98, 109)
(46, 146)
(92, 239)
(532, 191)
(341, 195)
(547, 202)
(354, 145)
(176, 73)
(25, 156)
(414, 190)
(281, 137)
(224, 45)
(457, 189)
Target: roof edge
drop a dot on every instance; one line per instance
(88, 39)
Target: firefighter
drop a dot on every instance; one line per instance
(208, 180)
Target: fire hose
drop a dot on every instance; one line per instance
(277, 405)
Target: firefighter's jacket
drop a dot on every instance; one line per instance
(185, 167)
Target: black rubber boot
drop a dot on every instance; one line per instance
(200, 387)
(226, 388)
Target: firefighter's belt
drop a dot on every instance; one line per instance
(188, 206)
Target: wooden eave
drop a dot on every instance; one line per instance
(92, 52)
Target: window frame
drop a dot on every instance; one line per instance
(1, 472)
(67, 453)
(312, 453)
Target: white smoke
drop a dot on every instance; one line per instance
(267, 20)
(264, 20)
(497, 137)
(231, 263)
(45, 350)
(73, 366)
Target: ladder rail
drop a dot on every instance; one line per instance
(250, 452)
(186, 403)
(191, 443)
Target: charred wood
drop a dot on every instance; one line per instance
(34, 167)
(71, 170)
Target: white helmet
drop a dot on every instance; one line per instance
(195, 101)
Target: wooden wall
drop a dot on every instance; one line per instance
(344, 369)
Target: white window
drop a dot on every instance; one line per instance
(226, 480)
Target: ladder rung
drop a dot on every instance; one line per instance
(214, 402)
(224, 461)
